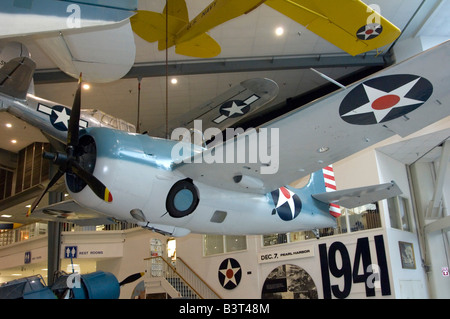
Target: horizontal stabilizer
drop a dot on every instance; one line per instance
(355, 197)
(151, 26)
(16, 76)
(70, 212)
(202, 46)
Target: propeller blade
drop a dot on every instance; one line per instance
(74, 125)
(55, 178)
(131, 278)
(97, 187)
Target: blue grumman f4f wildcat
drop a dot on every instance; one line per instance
(239, 186)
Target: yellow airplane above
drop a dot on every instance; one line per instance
(349, 24)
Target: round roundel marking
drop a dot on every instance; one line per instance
(230, 273)
(369, 31)
(384, 98)
(287, 204)
(234, 108)
(60, 117)
(182, 198)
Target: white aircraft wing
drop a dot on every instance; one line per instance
(227, 108)
(102, 54)
(69, 211)
(21, 18)
(90, 37)
(400, 100)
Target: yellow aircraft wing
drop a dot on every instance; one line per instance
(349, 24)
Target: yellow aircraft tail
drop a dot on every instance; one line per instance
(151, 26)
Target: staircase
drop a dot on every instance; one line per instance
(168, 281)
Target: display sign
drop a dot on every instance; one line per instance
(286, 254)
(340, 271)
(92, 250)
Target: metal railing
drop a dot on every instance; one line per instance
(26, 232)
(181, 277)
(19, 234)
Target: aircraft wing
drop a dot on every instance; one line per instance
(103, 54)
(350, 25)
(228, 108)
(69, 211)
(400, 100)
(90, 36)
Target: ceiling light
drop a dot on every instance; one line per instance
(279, 31)
(86, 86)
(6, 216)
(174, 81)
(8, 125)
(14, 141)
(28, 206)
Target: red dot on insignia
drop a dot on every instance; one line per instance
(229, 273)
(385, 102)
(285, 192)
(370, 31)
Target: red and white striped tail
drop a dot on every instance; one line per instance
(330, 186)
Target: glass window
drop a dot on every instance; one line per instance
(399, 213)
(364, 217)
(351, 220)
(235, 243)
(219, 244)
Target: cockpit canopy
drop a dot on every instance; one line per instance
(106, 120)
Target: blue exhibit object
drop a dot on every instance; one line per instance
(97, 285)
(32, 287)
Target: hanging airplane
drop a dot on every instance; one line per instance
(350, 25)
(95, 37)
(238, 186)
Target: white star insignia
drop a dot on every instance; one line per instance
(63, 117)
(234, 109)
(370, 30)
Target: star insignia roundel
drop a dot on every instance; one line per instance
(230, 273)
(287, 204)
(60, 117)
(384, 98)
(369, 31)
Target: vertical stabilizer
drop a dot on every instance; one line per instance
(330, 186)
(16, 77)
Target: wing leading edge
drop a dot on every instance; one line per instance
(400, 100)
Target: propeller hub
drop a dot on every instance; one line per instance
(59, 159)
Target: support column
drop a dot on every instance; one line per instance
(54, 240)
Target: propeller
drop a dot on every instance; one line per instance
(131, 278)
(69, 162)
